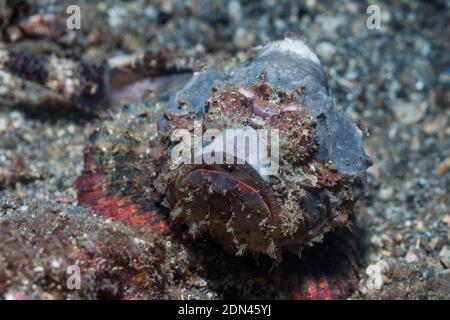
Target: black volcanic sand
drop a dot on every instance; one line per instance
(394, 82)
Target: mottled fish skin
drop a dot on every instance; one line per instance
(127, 154)
(93, 89)
(57, 81)
(289, 64)
(119, 169)
(283, 68)
(196, 92)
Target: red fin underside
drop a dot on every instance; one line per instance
(328, 271)
(117, 179)
(96, 191)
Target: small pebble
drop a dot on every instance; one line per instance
(386, 193)
(326, 50)
(398, 238)
(411, 257)
(443, 167)
(444, 255)
(409, 112)
(446, 219)
(243, 39)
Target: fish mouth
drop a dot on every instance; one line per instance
(233, 203)
(238, 179)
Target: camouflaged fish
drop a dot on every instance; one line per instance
(297, 216)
